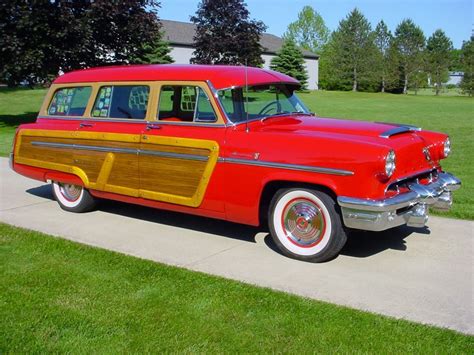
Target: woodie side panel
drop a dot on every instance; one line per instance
(178, 177)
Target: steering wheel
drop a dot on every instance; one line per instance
(268, 107)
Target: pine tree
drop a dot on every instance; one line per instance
(351, 52)
(410, 44)
(467, 62)
(289, 60)
(438, 57)
(157, 52)
(226, 35)
(387, 64)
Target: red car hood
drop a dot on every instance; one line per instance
(300, 124)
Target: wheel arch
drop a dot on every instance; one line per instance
(271, 187)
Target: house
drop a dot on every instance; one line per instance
(180, 37)
(455, 78)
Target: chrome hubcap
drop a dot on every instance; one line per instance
(303, 222)
(70, 192)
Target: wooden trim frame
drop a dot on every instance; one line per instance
(137, 144)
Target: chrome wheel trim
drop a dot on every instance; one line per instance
(70, 192)
(303, 222)
(280, 231)
(68, 195)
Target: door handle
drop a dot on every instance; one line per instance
(84, 124)
(152, 126)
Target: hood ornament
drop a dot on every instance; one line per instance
(427, 154)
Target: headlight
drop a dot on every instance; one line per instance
(447, 147)
(390, 163)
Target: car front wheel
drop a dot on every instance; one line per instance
(73, 198)
(305, 225)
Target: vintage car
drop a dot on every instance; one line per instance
(231, 143)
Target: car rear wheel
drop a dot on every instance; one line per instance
(305, 225)
(73, 198)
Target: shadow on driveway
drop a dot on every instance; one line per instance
(360, 244)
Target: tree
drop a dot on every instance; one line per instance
(467, 62)
(351, 51)
(438, 58)
(410, 43)
(226, 35)
(40, 38)
(289, 60)
(309, 31)
(158, 52)
(387, 63)
(455, 62)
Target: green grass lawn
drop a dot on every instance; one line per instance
(59, 296)
(450, 114)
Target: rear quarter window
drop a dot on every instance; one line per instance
(71, 101)
(122, 101)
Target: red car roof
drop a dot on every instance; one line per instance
(221, 76)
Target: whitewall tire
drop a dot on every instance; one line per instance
(305, 225)
(73, 198)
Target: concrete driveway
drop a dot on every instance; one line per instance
(422, 275)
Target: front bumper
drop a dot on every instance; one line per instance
(410, 208)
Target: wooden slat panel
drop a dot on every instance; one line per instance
(172, 176)
(46, 154)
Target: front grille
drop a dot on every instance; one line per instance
(402, 185)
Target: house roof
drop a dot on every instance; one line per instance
(221, 76)
(182, 33)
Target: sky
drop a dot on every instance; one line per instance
(454, 17)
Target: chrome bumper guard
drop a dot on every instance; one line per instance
(410, 208)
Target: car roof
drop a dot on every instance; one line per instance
(221, 76)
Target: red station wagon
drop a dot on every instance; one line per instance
(232, 143)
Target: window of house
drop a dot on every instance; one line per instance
(122, 101)
(185, 103)
(71, 101)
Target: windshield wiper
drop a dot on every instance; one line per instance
(279, 114)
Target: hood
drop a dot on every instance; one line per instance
(307, 124)
(408, 142)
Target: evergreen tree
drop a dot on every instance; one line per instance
(438, 57)
(309, 31)
(289, 60)
(157, 52)
(386, 57)
(351, 52)
(410, 44)
(467, 62)
(226, 35)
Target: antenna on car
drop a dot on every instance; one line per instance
(246, 98)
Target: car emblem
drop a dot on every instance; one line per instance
(427, 154)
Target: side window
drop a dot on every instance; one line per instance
(185, 104)
(70, 101)
(122, 101)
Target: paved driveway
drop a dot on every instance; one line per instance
(422, 275)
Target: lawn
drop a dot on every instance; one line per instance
(59, 296)
(450, 114)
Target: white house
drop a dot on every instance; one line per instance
(180, 37)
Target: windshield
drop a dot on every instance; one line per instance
(260, 101)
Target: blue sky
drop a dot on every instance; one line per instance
(455, 17)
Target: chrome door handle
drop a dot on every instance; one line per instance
(83, 124)
(152, 126)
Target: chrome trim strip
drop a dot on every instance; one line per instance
(123, 150)
(398, 130)
(193, 124)
(267, 164)
(174, 155)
